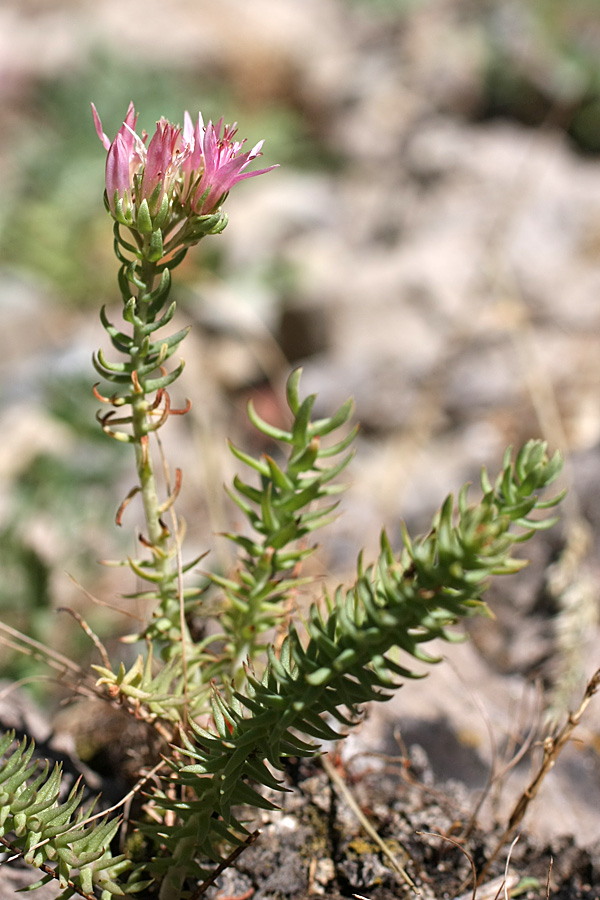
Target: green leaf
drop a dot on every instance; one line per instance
(278, 434)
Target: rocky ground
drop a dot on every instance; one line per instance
(442, 268)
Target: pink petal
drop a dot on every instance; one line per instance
(188, 128)
(103, 137)
(131, 117)
(117, 170)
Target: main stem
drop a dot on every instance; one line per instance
(157, 535)
(167, 614)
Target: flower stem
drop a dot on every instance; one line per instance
(159, 538)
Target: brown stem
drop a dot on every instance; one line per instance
(552, 747)
(47, 870)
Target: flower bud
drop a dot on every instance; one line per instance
(161, 216)
(199, 226)
(156, 251)
(144, 219)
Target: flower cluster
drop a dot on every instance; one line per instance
(180, 174)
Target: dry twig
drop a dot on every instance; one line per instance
(202, 888)
(552, 747)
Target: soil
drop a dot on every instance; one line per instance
(314, 846)
(380, 824)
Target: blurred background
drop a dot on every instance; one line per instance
(430, 245)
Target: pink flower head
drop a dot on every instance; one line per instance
(196, 165)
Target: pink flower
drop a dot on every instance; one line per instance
(195, 167)
(126, 156)
(166, 154)
(222, 164)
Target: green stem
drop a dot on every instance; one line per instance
(158, 534)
